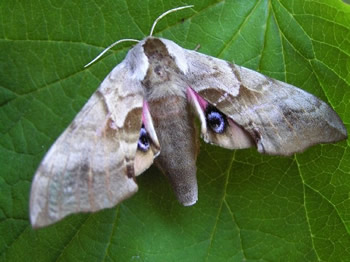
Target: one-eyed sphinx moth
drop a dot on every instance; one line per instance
(144, 111)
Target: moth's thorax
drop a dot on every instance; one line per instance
(164, 77)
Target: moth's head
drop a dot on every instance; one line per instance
(156, 59)
(163, 53)
(165, 64)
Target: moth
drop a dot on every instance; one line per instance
(143, 112)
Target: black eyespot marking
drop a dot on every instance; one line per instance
(215, 119)
(158, 70)
(144, 142)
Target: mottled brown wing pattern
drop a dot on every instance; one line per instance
(280, 118)
(91, 165)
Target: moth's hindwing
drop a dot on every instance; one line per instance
(144, 158)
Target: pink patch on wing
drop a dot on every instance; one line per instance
(145, 111)
(192, 95)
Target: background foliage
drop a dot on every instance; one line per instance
(251, 207)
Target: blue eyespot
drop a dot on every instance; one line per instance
(144, 143)
(215, 120)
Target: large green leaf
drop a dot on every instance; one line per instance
(251, 207)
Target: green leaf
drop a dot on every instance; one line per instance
(251, 207)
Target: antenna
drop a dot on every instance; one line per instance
(166, 13)
(134, 40)
(109, 47)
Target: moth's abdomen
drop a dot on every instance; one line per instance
(174, 125)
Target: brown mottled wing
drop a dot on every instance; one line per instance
(91, 165)
(280, 118)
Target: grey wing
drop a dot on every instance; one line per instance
(91, 165)
(279, 118)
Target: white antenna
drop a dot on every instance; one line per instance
(112, 45)
(134, 40)
(166, 13)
